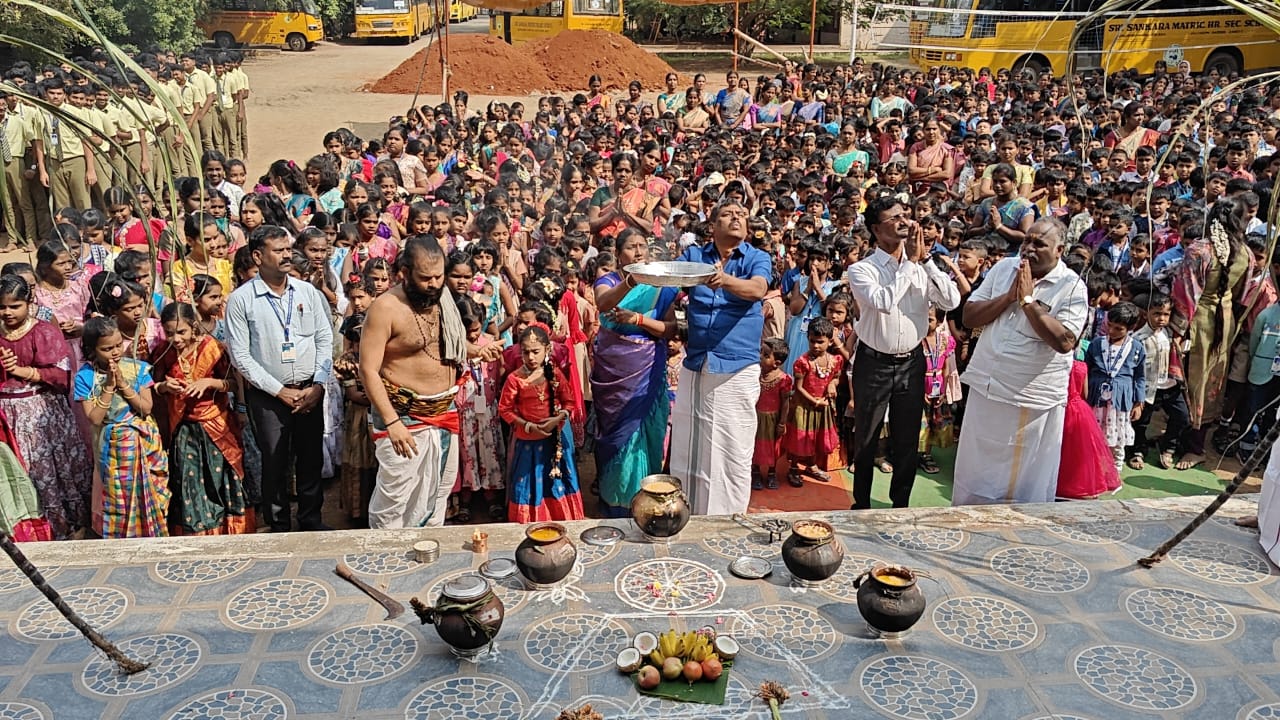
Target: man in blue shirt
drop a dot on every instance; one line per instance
(713, 425)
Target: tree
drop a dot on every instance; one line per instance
(759, 19)
(132, 24)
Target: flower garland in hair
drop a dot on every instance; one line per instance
(553, 384)
(1221, 243)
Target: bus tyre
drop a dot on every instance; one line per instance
(1225, 62)
(296, 42)
(223, 40)
(1034, 63)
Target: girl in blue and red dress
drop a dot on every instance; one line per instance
(811, 436)
(543, 478)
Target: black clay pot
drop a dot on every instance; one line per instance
(546, 555)
(889, 599)
(812, 553)
(467, 616)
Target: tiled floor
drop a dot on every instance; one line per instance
(1033, 613)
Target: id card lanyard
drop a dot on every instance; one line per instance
(287, 351)
(1113, 369)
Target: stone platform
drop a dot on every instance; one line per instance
(1034, 612)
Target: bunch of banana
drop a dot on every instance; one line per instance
(690, 645)
(701, 649)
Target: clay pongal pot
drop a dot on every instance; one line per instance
(889, 599)
(546, 555)
(812, 552)
(660, 509)
(467, 615)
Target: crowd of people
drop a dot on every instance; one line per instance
(439, 322)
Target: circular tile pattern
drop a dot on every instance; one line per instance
(925, 539)
(172, 656)
(918, 688)
(1039, 569)
(1104, 533)
(669, 584)
(239, 704)
(1135, 677)
(1221, 562)
(380, 563)
(784, 633)
(509, 590)
(736, 546)
(361, 654)
(194, 572)
(1264, 712)
(589, 555)
(575, 642)
(277, 604)
(19, 711)
(985, 623)
(99, 606)
(465, 697)
(11, 578)
(1180, 614)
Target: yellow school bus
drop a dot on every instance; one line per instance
(289, 24)
(461, 12)
(1036, 33)
(554, 17)
(405, 20)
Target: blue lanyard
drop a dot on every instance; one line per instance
(287, 319)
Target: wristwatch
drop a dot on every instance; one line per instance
(1025, 301)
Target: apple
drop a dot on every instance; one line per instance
(712, 669)
(692, 671)
(649, 677)
(671, 668)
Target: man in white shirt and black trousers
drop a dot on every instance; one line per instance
(894, 288)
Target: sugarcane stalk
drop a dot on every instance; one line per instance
(1250, 465)
(128, 665)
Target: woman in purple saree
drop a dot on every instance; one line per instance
(628, 378)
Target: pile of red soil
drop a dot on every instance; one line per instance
(573, 56)
(480, 64)
(485, 65)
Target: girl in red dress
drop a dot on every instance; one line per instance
(775, 390)
(811, 435)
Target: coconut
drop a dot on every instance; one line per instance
(645, 642)
(726, 647)
(708, 631)
(628, 660)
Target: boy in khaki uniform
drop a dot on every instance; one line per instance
(186, 97)
(241, 79)
(205, 90)
(19, 216)
(226, 137)
(64, 165)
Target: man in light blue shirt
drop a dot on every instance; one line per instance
(713, 425)
(282, 343)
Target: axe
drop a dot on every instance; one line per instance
(394, 608)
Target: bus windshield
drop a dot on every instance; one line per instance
(595, 7)
(382, 6)
(947, 24)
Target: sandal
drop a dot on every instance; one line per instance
(885, 467)
(497, 513)
(1190, 461)
(819, 475)
(451, 511)
(464, 515)
(1166, 459)
(794, 479)
(772, 482)
(1136, 462)
(756, 482)
(928, 464)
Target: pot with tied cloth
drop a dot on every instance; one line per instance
(660, 509)
(889, 599)
(467, 615)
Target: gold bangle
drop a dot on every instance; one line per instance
(98, 401)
